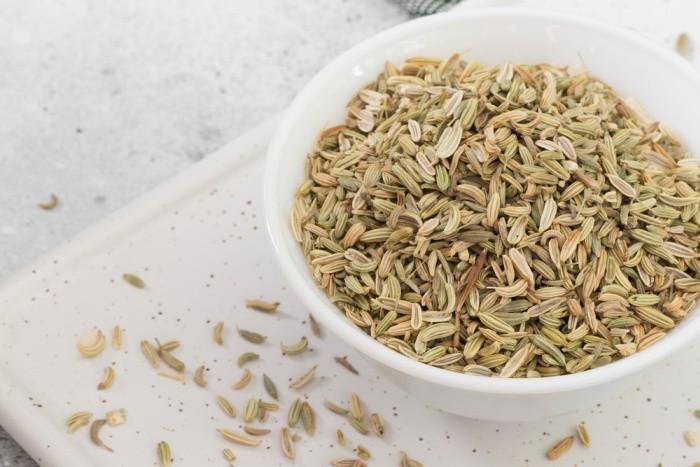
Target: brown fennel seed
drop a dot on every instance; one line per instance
(377, 422)
(51, 204)
(363, 452)
(238, 437)
(315, 328)
(244, 380)
(255, 431)
(92, 343)
(107, 379)
(199, 377)
(304, 379)
(134, 280)
(343, 361)
(287, 443)
(560, 448)
(116, 338)
(583, 434)
(77, 420)
(270, 387)
(95, 434)
(262, 305)
(218, 329)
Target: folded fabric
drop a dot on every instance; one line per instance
(425, 7)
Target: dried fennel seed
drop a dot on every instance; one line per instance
(340, 436)
(92, 343)
(287, 443)
(358, 425)
(343, 361)
(252, 337)
(247, 357)
(583, 434)
(560, 448)
(245, 378)
(295, 349)
(251, 410)
(116, 338)
(176, 376)
(335, 408)
(348, 462)
(315, 328)
(270, 387)
(308, 418)
(77, 420)
(294, 413)
(255, 431)
(377, 422)
(356, 407)
(133, 279)
(164, 454)
(238, 437)
(169, 359)
(262, 305)
(226, 406)
(508, 221)
(304, 379)
(151, 354)
(363, 452)
(107, 379)
(50, 205)
(408, 462)
(682, 45)
(229, 456)
(691, 438)
(95, 434)
(170, 345)
(218, 329)
(696, 412)
(199, 377)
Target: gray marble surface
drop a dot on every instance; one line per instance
(102, 101)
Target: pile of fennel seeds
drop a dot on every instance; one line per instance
(513, 221)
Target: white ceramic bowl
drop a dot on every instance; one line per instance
(666, 86)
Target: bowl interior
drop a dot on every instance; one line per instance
(666, 86)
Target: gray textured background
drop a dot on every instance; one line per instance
(102, 101)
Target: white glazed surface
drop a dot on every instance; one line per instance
(666, 86)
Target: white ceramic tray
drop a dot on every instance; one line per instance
(199, 242)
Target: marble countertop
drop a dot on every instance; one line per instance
(102, 101)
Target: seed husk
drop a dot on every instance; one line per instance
(164, 454)
(691, 438)
(134, 280)
(116, 417)
(116, 338)
(199, 377)
(77, 420)
(237, 437)
(560, 448)
(51, 204)
(583, 434)
(252, 337)
(315, 328)
(287, 444)
(308, 418)
(218, 329)
(270, 387)
(247, 357)
(377, 422)
(304, 379)
(244, 380)
(107, 379)
(294, 413)
(295, 349)
(343, 361)
(95, 434)
(226, 406)
(262, 305)
(92, 343)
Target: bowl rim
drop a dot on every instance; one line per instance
(364, 343)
